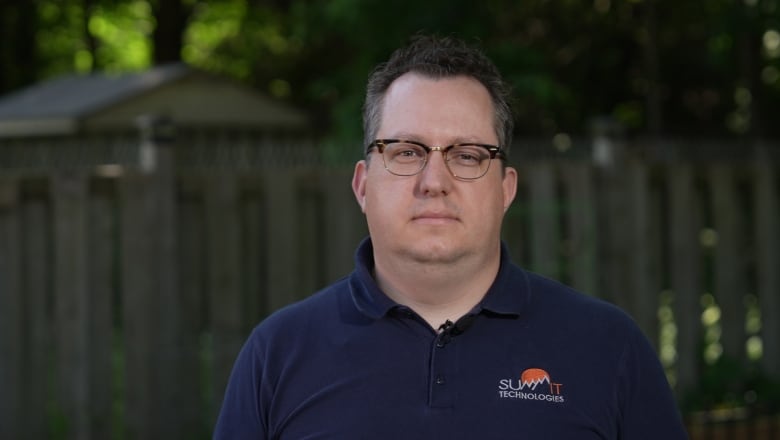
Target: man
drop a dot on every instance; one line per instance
(436, 333)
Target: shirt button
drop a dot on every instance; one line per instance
(440, 380)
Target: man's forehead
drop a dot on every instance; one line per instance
(416, 106)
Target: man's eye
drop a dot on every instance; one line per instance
(407, 153)
(466, 156)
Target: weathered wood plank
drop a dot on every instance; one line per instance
(581, 227)
(139, 284)
(545, 221)
(166, 343)
(192, 281)
(767, 239)
(310, 224)
(644, 288)
(37, 282)
(345, 224)
(729, 262)
(151, 313)
(617, 223)
(71, 292)
(11, 312)
(283, 244)
(224, 289)
(255, 259)
(684, 265)
(102, 246)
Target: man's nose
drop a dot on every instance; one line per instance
(435, 178)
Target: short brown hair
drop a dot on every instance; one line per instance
(438, 57)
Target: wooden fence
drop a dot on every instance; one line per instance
(125, 295)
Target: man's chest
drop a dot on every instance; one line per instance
(419, 387)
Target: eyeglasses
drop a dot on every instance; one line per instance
(464, 161)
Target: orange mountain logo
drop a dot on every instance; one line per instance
(525, 387)
(533, 377)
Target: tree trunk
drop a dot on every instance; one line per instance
(168, 36)
(89, 39)
(18, 56)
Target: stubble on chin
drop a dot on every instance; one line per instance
(430, 253)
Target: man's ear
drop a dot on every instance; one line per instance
(359, 183)
(510, 186)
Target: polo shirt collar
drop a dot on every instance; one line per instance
(508, 295)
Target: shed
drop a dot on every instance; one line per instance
(92, 120)
(99, 103)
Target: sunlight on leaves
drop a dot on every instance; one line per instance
(123, 32)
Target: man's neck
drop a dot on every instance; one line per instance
(437, 292)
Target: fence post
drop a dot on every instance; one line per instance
(545, 225)
(345, 223)
(643, 252)
(192, 276)
(224, 286)
(101, 278)
(615, 216)
(729, 288)
(72, 306)
(582, 227)
(767, 239)
(684, 262)
(37, 281)
(281, 188)
(10, 313)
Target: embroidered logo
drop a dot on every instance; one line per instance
(533, 384)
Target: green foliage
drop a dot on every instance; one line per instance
(729, 383)
(568, 61)
(123, 34)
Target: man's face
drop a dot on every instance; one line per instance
(432, 217)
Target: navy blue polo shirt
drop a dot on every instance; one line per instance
(534, 360)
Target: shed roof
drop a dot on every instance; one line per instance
(73, 104)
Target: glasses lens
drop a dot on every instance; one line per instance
(404, 159)
(468, 161)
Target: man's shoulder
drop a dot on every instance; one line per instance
(324, 305)
(571, 305)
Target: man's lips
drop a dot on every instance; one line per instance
(434, 217)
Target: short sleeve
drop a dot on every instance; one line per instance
(240, 415)
(647, 405)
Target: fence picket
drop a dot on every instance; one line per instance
(684, 265)
(643, 252)
(192, 280)
(581, 227)
(101, 320)
(11, 312)
(69, 194)
(345, 224)
(36, 274)
(225, 296)
(138, 285)
(254, 216)
(545, 237)
(150, 309)
(730, 260)
(767, 239)
(281, 195)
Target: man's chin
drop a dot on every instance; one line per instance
(434, 253)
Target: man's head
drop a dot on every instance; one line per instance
(438, 58)
(434, 201)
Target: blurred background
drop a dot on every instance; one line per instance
(173, 171)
